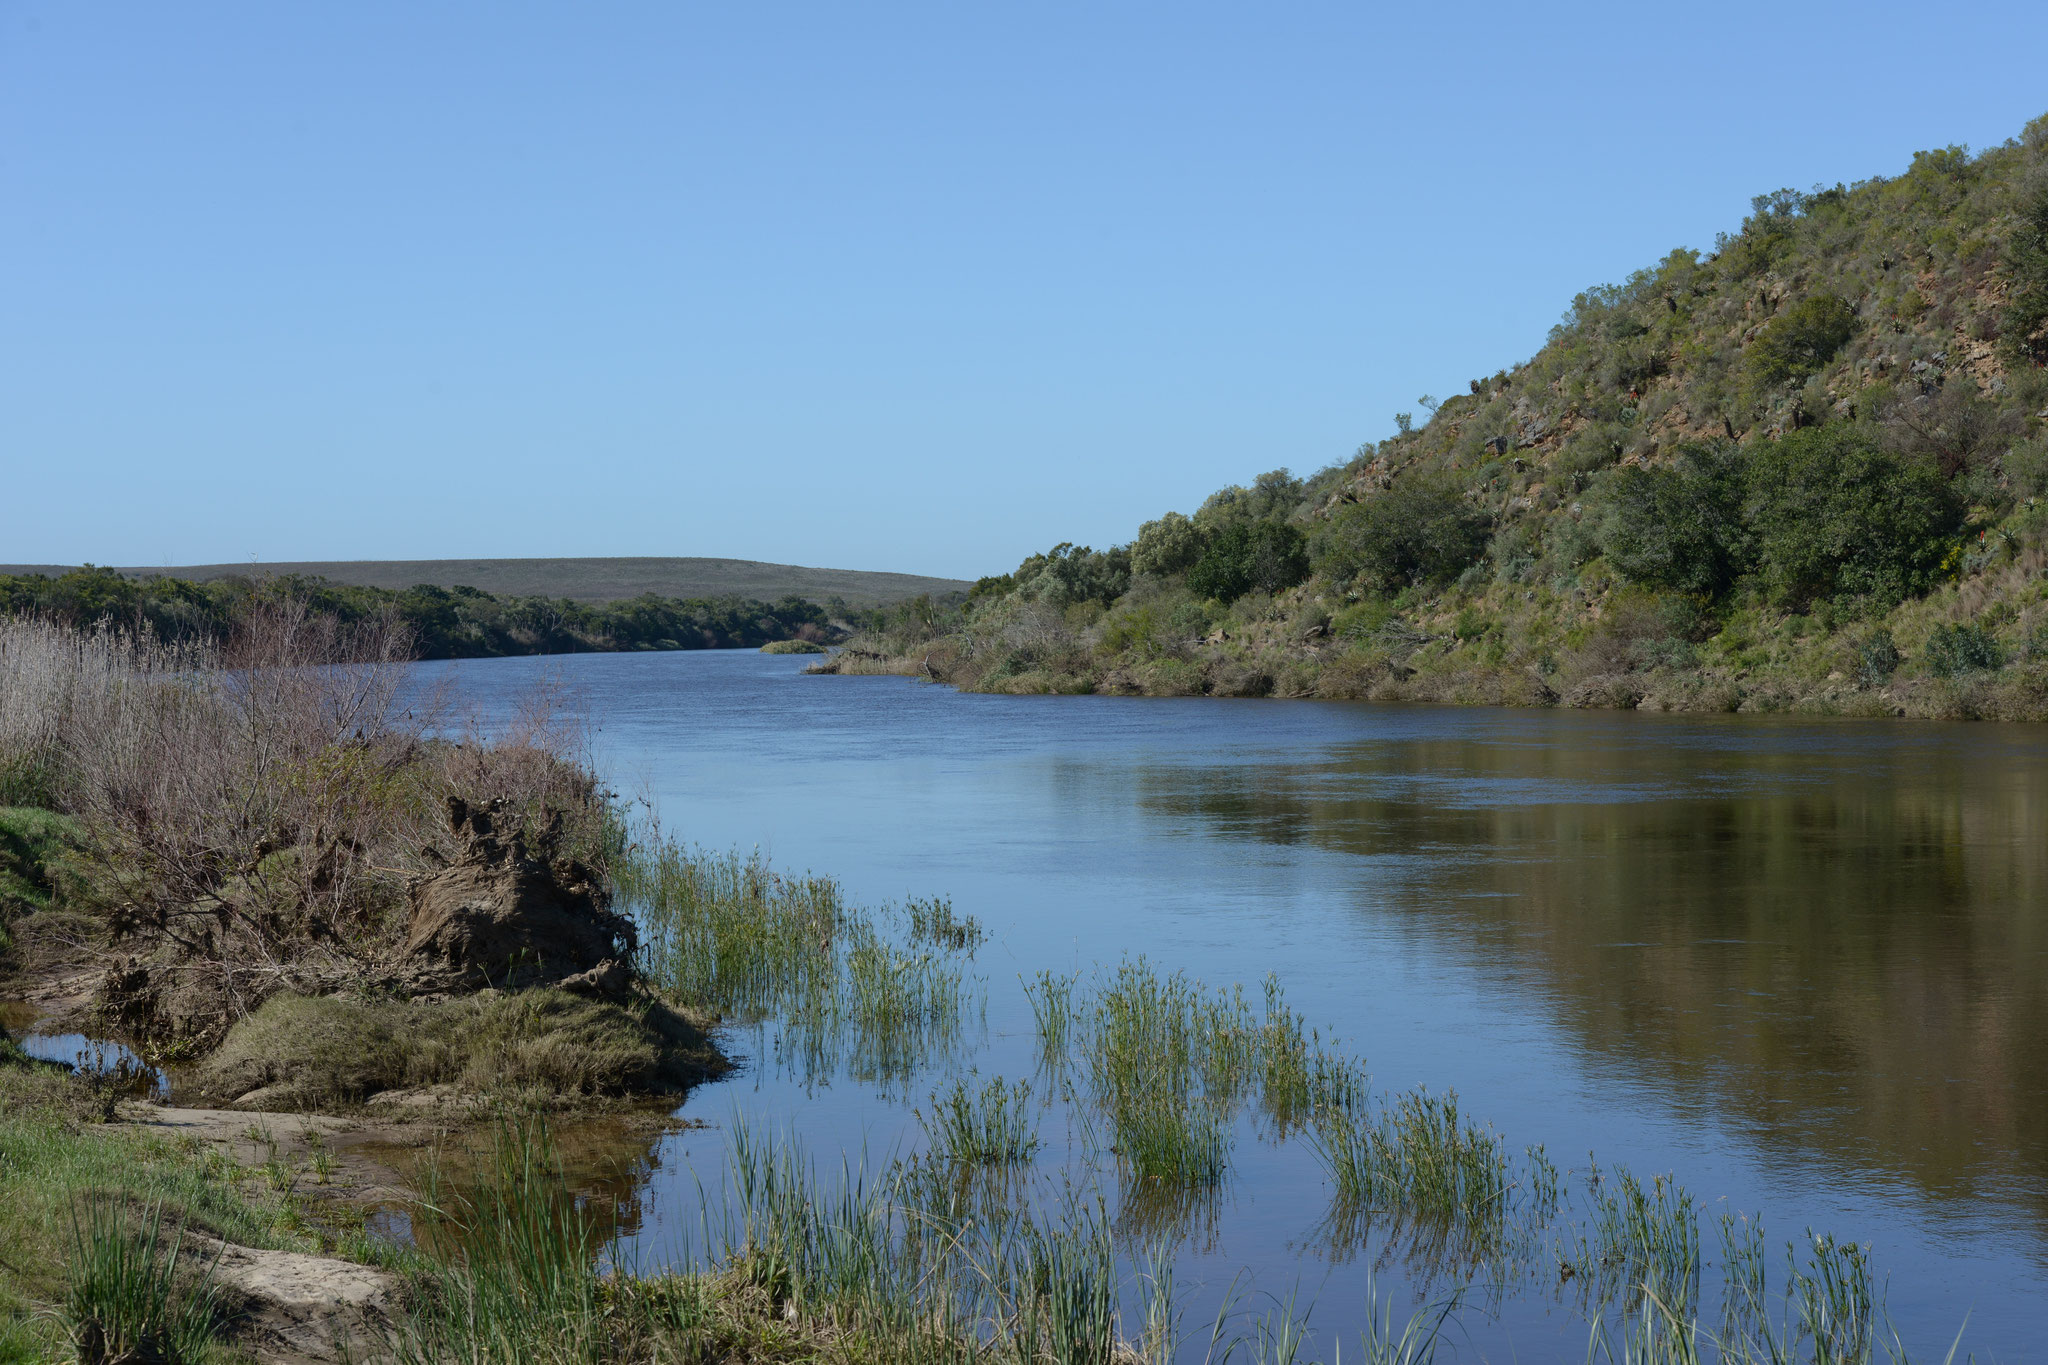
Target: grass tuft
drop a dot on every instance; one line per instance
(127, 1297)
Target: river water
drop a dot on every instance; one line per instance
(1800, 965)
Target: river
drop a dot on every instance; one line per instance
(1801, 965)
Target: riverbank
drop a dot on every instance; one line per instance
(1973, 649)
(267, 881)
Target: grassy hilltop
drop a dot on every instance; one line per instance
(1802, 471)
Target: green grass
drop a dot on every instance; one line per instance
(933, 923)
(1415, 1153)
(36, 847)
(84, 1212)
(1643, 1243)
(1165, 1139)
(1051, 996)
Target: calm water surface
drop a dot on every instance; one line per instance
(1801, 965)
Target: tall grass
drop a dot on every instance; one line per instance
(127, 1296)
(519, 1283)
(1051, 996)
(1642, 1245)
(1171, 1062)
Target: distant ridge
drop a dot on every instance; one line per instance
(581, 580)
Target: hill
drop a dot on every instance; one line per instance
(1802, 471)
(579, 580)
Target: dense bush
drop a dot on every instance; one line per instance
(1953, 650)
(1418, 531)
(1679, 526)
(1273, 496)
(1067, 574)
(1833, 515)
(1258, 556)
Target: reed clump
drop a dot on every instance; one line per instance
(1415, 1153)
(881, 993)
(1171, 1063)
(991, 1126)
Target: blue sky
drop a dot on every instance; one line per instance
(922, 288)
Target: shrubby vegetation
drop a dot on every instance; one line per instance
(444, 623)
(1792, 472)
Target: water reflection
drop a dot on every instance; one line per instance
(1840, 947)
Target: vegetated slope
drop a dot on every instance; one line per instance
(1803, 471)
(580, 580)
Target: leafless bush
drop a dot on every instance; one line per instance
(237, 796)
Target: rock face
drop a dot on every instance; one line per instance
(499, 917)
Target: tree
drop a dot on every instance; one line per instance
(1678, 527)
(1067, 574)
(1418, 531)
(1259, 556)
(1834, 515)
(1170, 545)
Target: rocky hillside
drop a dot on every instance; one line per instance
(1802, 471)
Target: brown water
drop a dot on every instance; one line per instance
(1803, 966)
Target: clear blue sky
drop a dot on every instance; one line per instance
(885, 286)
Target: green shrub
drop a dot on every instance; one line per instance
(1416, 532)
(1678, 527)
(1803, 339)
(1260, 556)
(1877, 658)
(1067, 574)
(1362, 619)
(2026, 465)
(1953, 650)
(1833, 515)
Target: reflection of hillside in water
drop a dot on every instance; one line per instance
(1840, 950)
